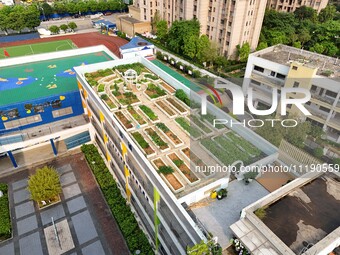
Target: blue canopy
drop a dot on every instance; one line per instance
(135, 43)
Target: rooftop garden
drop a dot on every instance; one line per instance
(108, 101)
(168, 174)
(210, 119)
(183, 168)
(185, 125)
(94, 77)
(176, 105)
(200, 124)
(165, 108)
(149, 113)
(126, 98)
(216, 151)
(140, 120)
(142, 143)
(153, 91)
(138, 67)
(124, 120)
(156, 139)
(247, 146)
(170, 135)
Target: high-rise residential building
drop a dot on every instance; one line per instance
(282, 66)
(291, 5)
(228, 23)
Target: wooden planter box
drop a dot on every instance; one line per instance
(149, 151)
(174, 139)
(170, 179)
(124, 120)
(177, 105)
(184, 170)
(194, 160)
(141, 122)
(166, 109)
(161, 148)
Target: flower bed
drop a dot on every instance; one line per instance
(94, 77)
(200, 124)
(142, 143)
(124, 120)
(177, 105)
(166, 109)
(168, 133)
(153, 91)
(101, 88)
(128, 98)
(185, 125)
(149, 113)
(157, 139)
(140, 120)
(108, 101)
(168, 88)
(233, 152)
(5, 218)
(151, 76)
(138, 67)
(134, 236)
(170, 179)
(183, 168)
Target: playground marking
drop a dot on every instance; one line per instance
(31, 49)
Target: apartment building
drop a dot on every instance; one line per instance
(291, 5)
(282, 66)
(228, 23)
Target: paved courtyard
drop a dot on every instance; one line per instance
(220, 214)
(83, 220)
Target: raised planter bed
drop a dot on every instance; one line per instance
(136, 116)
(153, 92)
(174, 139)
(158, 141)
(127, 98)
(189, 129)
(184, 170)
(124, 120)
(151, 77)
(108, 79)
(144, 145)
(200, 124)
(209, 119)
(215, 151)
(170, 179)
(108, 102)
(168, 88)
(149, 113)
(177, 105)
(195, 160)
(166, 109)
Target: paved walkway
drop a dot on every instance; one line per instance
(220, 214)
(82, 210)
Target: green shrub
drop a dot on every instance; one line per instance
(165, 170)
(101, 88)
(261, 213)
(151, 76)
(318, 152)
(162, 127)
(5, 219)
(104, 97)
(159, 55)
(134, 236)
(148, 112)
(181, 95)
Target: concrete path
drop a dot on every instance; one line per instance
(220, 214)
(76, 215)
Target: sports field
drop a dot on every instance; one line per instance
(26, 82)
(36, 48)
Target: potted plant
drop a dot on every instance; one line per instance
(221, 194)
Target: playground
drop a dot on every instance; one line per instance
(25, 82)
(36, 48)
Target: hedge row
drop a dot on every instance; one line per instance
(5, 218)
(134, 236)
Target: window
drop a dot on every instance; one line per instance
(313, 89)
(324, 109)
(280, 76)
(296, 84)
(259, 69)
(22, 121)
(295, 68)
(272, 73)
(331, 93)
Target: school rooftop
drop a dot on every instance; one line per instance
(284, 55)
(42, 75)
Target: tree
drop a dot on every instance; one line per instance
(318, 48)
(162, 30)
(262, 45)
(199, 249)
(189, 47)
(305, 12)
(64, 27)
(336, 161)
(203, 44)
(328, 13)
(243, 52)
(44, 185)
(318, 152)
(54, 29)
(297, 135)
(154, 22)
(48, 11)
(316, 132)
(72, 25)
(31, 17)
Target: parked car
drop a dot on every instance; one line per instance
(107, 13)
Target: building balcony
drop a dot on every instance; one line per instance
(335, 122)
(267, 80)
(318, 113)
(325, 99)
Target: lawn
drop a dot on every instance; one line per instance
(36, 48)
